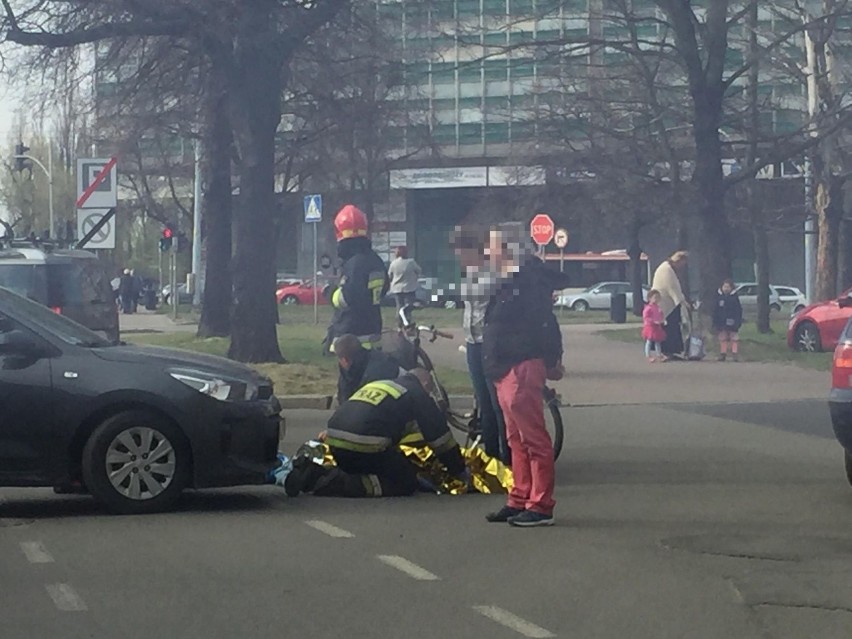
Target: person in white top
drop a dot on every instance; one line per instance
(404, 273)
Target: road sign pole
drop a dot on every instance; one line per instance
(175, 292)
(50, 189)
(196, 229)
(316, 280)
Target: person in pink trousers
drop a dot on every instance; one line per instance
(652, 327)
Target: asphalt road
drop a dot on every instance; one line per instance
(673, 521)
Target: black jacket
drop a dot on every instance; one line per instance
(369, 366)
(519, 322)
(380, 414)
(727, 313)
(363, 284)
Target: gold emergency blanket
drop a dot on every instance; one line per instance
(488, 475)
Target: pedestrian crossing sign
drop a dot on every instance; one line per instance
(313, 208)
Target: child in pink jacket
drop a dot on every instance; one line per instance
(652, 327)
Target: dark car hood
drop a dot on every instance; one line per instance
(173, 357)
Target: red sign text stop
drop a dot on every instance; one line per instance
(541, 229)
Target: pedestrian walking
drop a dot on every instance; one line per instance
(727, 320)
(653, 332)
(522, 347)
(126, 291)
(404, 273)
(668, 281)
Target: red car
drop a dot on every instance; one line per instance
(301, 294)
(818, 326)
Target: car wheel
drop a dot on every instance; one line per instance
(580, 306)
(807, 338)
(135, 463)
(775, 307)
(798, 309)
(450, 304)
(290, 300)
(848, 466)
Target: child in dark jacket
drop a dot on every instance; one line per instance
(727, 320)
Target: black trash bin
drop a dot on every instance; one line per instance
(618, 308)
(150, 296)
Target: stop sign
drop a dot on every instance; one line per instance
(541, 229)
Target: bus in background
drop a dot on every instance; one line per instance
(589, 270)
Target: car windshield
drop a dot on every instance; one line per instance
(65, 329)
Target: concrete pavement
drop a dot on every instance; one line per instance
(672, 522)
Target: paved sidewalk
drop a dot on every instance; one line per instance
(150, 322)
(602, 372)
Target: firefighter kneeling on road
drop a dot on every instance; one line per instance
(364, 435)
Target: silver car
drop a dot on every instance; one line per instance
(598, 296)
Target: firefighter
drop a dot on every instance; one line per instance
(364, 434)
(359, 366)
(363, 282)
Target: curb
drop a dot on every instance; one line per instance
(324, 402)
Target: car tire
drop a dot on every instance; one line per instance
(807, 338)
(290, 300)
(117, 446)
(775, 307)
(581, 306)
(798, 309)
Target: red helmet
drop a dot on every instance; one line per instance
(350, 222)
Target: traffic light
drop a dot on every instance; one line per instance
(166, 240)
(21, 163)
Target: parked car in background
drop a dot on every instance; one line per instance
(184, 296)
(131, 425)
(294, 294)
(598, 296)
(747, 292)
(840, 399)
(818, 327)
(73, 283)
(791, 298)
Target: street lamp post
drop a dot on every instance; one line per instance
(48, 171)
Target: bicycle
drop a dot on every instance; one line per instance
(468, 423)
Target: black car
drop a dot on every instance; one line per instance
(73, 283)
(840, 399)
(131, 425)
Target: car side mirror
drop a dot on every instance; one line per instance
(844, 302)
(17, 342)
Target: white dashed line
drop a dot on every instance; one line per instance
(506, 618)
(328, 529)
(36, 553)
(412, 570)
(65, 598)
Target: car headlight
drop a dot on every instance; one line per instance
(217, 388)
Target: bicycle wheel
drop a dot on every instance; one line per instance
(553, 421)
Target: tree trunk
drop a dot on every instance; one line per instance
(829, 209)
(634, 251)
(714, 251)
(843, 256)
(761, 258)
(217, 206)
(256, 96)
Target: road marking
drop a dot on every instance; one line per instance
(328, 529)
(411, 569)
(506, 618)
(36, 553)
(65, 598)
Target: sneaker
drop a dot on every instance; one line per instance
(503, 515)
(736, 357)
(722, 357)
(530, 519)
(303, 477)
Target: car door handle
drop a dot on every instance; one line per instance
(70, 375)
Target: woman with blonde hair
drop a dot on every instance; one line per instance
(668, 280)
